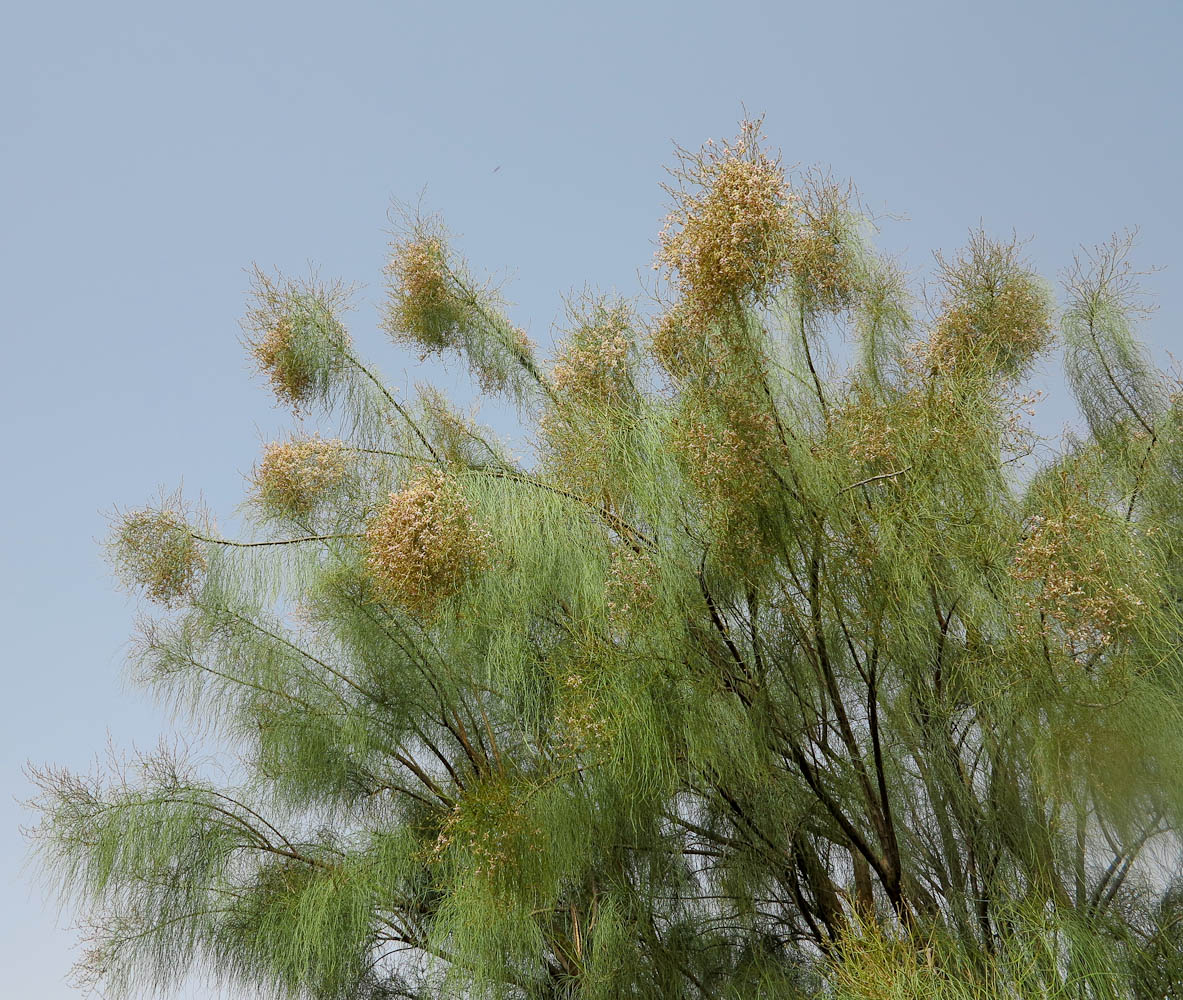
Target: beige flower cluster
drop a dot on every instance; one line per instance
(1065, 557)
(278, 358)
(294, 335)
(996, 317)
(593, 366)
(821, 250)
(581, 728)
(630, 586)
(155, 550)
(492, 825)
(728, 235)
(424, 304)
(425, 544)
(727, 453)
(686, 344)
(862, 428)
(295, 475)
(670, 346)
(591, 381)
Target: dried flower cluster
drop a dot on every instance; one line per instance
(434, 304)
(996, 317)
(687, 344)
(490, 824)
(295, 337)
(425, 304)
(673, 344)
(295, 475)
(593, 365)
(864, 429)
(630, 587)
(822, 248)
(1018, 435)
(1065, 556)
(581, 728)
(156, 551)
(424, 544)
(278, 357)
(591, 384)
(728, 235)
(726, 451)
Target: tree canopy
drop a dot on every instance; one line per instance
(788, 662)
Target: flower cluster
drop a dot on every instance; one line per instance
(630, 586)
(591, 382)
(996, 317)
(686, 343)
(593, 366)
(295, 475)
(295, 337)
(727, 236)
(822, 248)
(491, 825)
(278, 357)
(670, 345)
(434, 304)
(425, 544)
(1064, 554)
(726, 450)
(156, 551)
(424, 302)
(581, 727)
(862, 428)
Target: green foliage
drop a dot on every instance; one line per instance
(761, 678)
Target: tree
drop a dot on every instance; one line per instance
(777, 669)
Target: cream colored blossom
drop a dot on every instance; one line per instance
(425, 544)
(295, 475)
(294, 335)
(822, 247)
(728, 235)
(425, 304)
(491, 824)
(155, 550)
(1077, 590)
(726, 449)
(276, 357)
(630, 587)
(995, 317)
(593, 365)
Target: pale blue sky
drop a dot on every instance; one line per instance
(150, 151)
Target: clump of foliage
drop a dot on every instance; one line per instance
(764, 677)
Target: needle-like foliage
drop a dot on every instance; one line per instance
(761, 678)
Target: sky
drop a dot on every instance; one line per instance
(150, 152)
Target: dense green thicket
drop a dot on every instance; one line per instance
(758, 678)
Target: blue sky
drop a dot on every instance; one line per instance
(149, 152)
